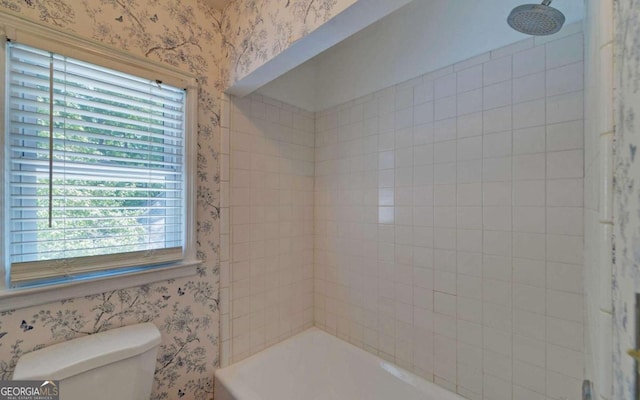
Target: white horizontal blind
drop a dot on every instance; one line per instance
(113, 147)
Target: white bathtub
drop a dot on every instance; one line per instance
(314, 365)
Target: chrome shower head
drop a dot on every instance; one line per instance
(536, 19)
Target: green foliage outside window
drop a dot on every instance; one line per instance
(94, 213)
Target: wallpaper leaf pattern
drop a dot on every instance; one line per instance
(626, 279)
(180, 34)
(255, 31)
(58, 13)
(214, 46)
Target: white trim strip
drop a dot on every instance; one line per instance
(12, 299)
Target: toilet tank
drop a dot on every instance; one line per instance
(115, 364)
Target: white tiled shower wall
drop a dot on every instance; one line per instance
(449, 222)
(267, 178)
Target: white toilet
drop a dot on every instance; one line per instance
(116, 364)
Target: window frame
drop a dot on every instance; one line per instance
(20, 30)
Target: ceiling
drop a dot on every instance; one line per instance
(219, 3)
(423, 36)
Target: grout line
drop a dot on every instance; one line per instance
(482, 266)
(546, 273)
(512, 358)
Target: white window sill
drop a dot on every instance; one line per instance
(16, 298)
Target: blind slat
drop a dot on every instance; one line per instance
(70, 102)
(70, 223)
(32, 130)
(154, 149)
(94, 236)
(107, 117)
(26, 188)
(149, 159)
(58, 120)
(93, 170)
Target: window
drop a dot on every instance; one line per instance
(97, 173)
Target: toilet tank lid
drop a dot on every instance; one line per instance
(64, 360)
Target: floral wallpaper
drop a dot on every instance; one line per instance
(218, 47)
(185, 312)
(255, 31)
(626, 282)
(179, 33)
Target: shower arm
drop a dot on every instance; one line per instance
(546, 2)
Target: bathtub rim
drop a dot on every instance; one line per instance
(225, 376)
